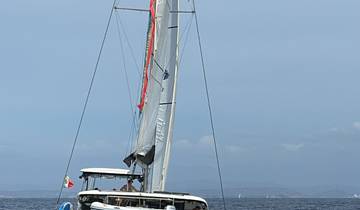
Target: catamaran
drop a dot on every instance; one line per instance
(94, 198)
(149, 159)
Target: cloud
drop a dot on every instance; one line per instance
(293, 147)
(3, 147)
(335, 130)
(100, 145)
(348, 130)
(205, 140)
(356, 125)
(205, 145)
(183, 143)
(233, 148)
(208, 140)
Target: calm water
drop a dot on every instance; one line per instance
(232, 204)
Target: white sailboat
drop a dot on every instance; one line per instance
(152, 147)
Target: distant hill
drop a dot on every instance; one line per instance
(244, 192)
(281, 192)
(34, 194)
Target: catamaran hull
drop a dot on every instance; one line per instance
(119, 200)
(102, 206)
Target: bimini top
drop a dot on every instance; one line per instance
(108, 172)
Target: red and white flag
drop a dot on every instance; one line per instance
(68, 183)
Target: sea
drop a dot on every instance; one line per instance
(214, 204)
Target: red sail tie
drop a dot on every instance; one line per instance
(148, 57)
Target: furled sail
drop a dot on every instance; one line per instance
(155, 72)
(166, 112)
(157, 103)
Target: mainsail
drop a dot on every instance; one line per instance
(157, 103)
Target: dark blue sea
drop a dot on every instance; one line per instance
(214, 204)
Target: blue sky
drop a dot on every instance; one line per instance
(284, 82)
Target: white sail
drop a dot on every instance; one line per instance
(155, 132)
(165, 119)
(158, 55)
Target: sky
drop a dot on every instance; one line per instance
(283, 78)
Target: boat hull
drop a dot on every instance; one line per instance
(111, 200)
(102, 206)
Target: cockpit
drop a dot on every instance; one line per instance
(120, 188)
(110, 179)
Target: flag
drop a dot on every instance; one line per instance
(68, 183)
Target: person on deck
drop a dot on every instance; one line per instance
(128, 187)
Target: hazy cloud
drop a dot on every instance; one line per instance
(2, 147)
(206, 140)
(292, 147)
(356, 125)
(233, 148)
(335, 130)
(182, 142)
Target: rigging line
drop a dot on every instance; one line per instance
(132, 9)
(185, 33)
(135, 120)
(135, 123)
(132, 55)
(183, 12)
(155, 79)
(186, 40)
(209, 104)
(86, 100)
(128, 43)
(160, 67)
(131, 134)
(124, 65)
(132, 112)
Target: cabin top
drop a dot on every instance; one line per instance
(108, 172)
